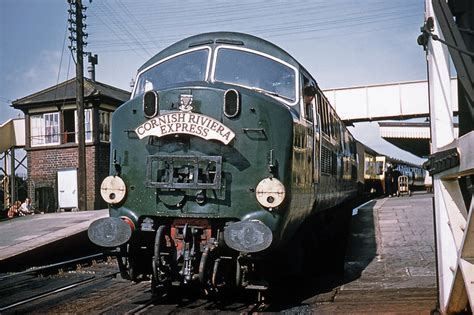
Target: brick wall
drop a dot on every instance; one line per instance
(99, 156)
(102, 156)
(43, 165)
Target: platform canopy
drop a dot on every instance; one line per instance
(413, 137)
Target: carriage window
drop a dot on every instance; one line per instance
(256, 71)
(187, 67)
(379, 167)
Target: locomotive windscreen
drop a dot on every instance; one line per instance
(256, 71)
(187, 67)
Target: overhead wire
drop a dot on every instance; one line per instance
(180, 29)
(174, 23)
(322, 32)
(309, 37)
(279, 32)
(119, 23)
(5, 100)
(61, 60)
(119, 35)
(352, 33)
(292, 31)
(136, 21)
(353, 23)
(200, 8)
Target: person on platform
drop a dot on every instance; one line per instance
(14, 209)
(388, 181)
(25, 208)
(396, 174)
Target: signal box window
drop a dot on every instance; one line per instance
(69, 132)
(105, 120)
(88, 124)
(70, 125)
(44, 129)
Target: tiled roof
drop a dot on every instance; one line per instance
(67, 91)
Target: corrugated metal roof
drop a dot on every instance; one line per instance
(407, 130)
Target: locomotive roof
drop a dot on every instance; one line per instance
(223, 38)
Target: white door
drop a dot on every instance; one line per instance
(67, 188)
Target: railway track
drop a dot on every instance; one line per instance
(107, 293)
(22, 288)
(93, 284)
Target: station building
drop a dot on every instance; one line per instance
(51, 142)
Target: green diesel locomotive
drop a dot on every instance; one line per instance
(225, 148)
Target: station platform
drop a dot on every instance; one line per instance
(391, 260)
(22, 235)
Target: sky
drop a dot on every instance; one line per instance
(342, 43)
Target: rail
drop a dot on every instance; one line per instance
(9, 282)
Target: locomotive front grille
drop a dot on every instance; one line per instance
(183, 172)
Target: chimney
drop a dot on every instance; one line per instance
(93, 60)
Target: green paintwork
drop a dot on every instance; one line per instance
(244, 160)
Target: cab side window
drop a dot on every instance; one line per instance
(309, 94)
(325, 122)
(308, 113)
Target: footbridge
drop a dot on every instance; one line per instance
(395, 101)
(12, 137)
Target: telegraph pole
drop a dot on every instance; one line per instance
(75, 10)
